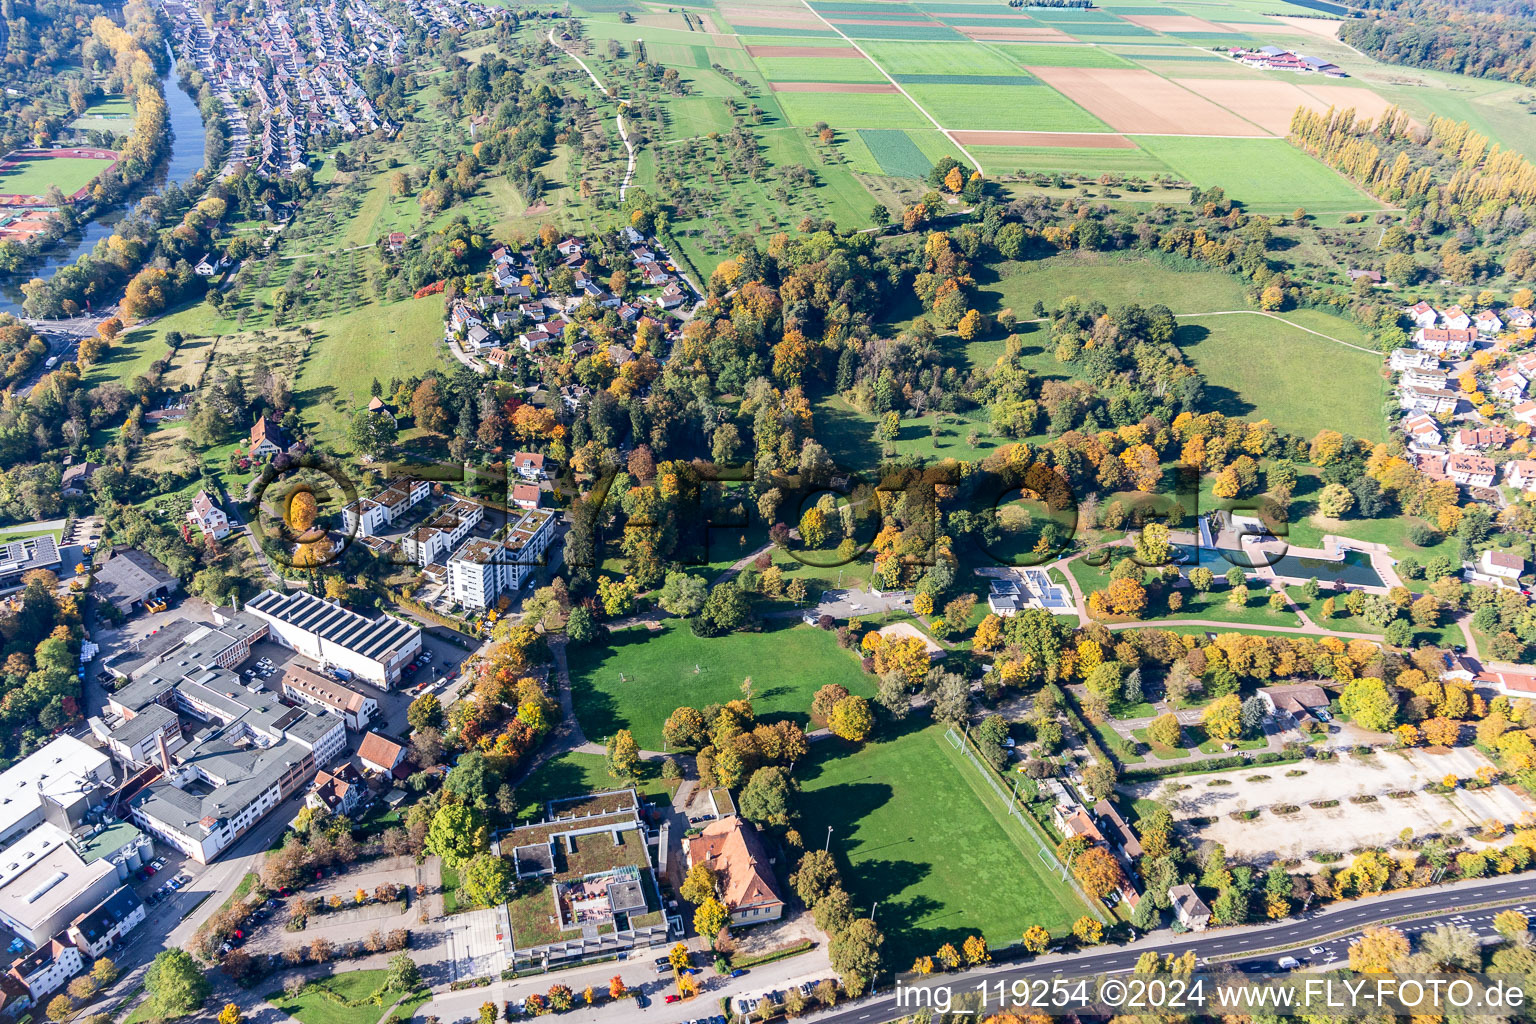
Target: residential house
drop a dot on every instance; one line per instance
(339, 790)
(208, 516)
(46, 969)
(76, 476)
(397, 242)
(1500, 564)
(1189, 908)
(1471, 470)
(1509, 385)
(1521, 473)
(1422, 314)
(1075, 822)
(377, 407)
(1525, 412)
(1519, 319)
(380, 754)
(1373, 276)
(1480, 439)
(1488, 323)
(1455, 319)
(529, 465)
(104, 925)
(269, 438)
(1428, 400)
(1422, 430)
(210, 264)
(526, 495)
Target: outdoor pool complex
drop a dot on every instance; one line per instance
(1353, 569)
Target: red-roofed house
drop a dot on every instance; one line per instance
(529, 465)
(1525, 412)
(732, 849)
(1422, 314)
(380, 754)
(1471, 470)
(1480, 439)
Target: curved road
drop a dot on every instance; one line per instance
(1294, 936)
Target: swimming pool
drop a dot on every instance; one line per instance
(1354, 569)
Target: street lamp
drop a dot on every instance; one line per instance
(828, 845)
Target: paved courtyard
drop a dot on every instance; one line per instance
(1349, 824)
(478, 943)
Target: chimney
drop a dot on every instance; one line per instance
(165, 753)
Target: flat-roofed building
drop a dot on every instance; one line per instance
(482, 570)
(373, 650)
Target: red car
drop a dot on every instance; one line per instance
(674, 998)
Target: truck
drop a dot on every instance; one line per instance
(51, 362)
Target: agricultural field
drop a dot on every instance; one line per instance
(936, 882)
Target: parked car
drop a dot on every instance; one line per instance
(738, 972)
(674, 998)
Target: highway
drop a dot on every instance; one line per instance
(1294, 937)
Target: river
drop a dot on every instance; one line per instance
(183, 158)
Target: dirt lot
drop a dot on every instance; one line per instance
(1060, 140)
(1175, 23)
(1138, 101)
(1324, 27)
(867, 87)
(1309, 829)
(1270, 104)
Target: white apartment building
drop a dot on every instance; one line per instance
(480, 571)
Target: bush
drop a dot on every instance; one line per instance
(1284, 809)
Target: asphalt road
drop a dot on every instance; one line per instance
(1292, 937)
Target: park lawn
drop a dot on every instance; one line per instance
(33, 176)
(1307, 527)
(1265, 175)
(848, 435)
(314, 1005)
(383, 340)
(1250, 363)
(1443, 635)
(640, 677)
(1159, 751)
(935, 881)
(574, 773)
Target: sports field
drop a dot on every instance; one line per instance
(640, 677)
(916, 829)
(110, 113)
(32, 172)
